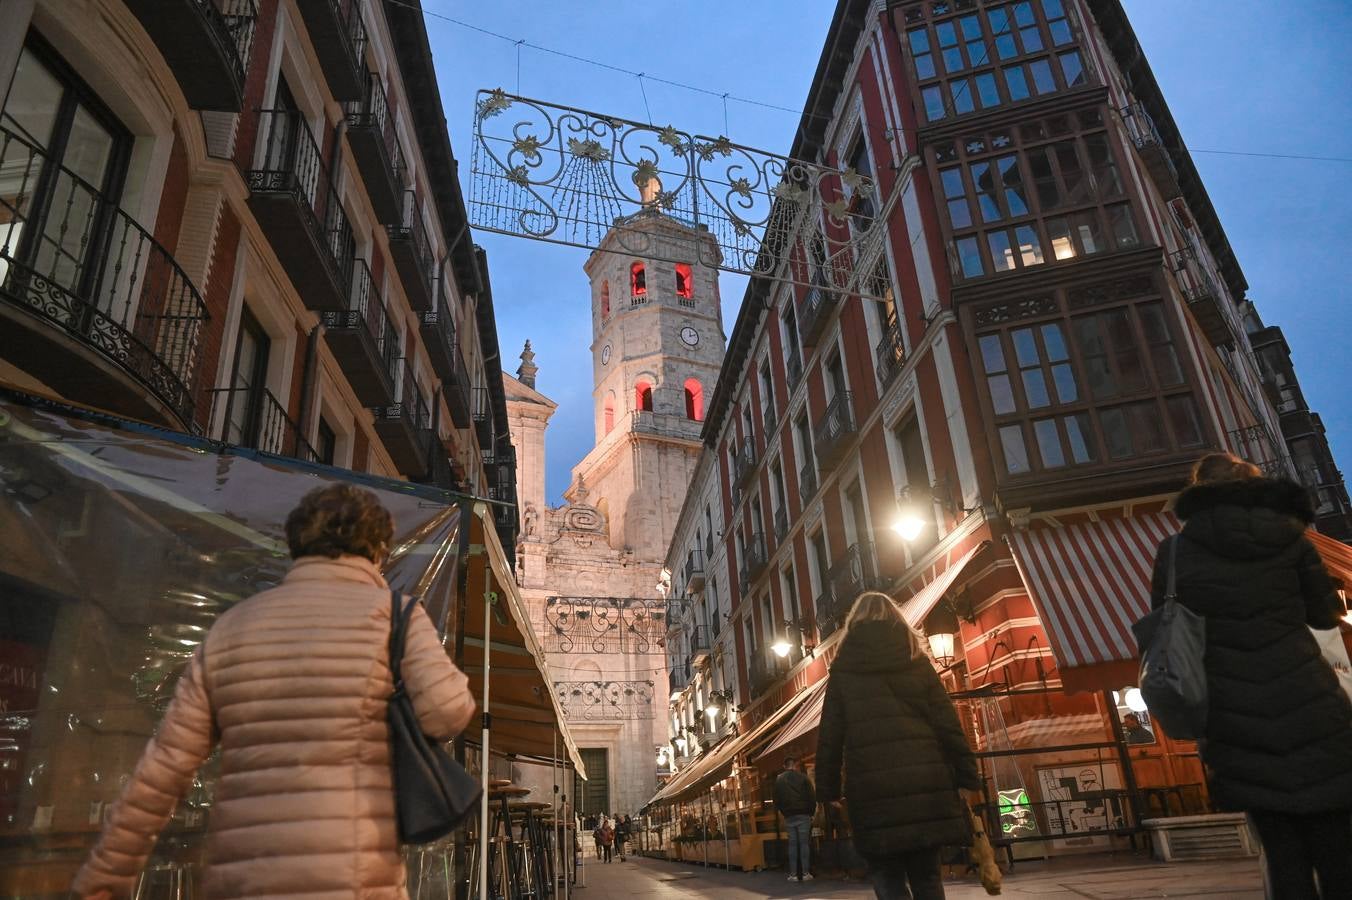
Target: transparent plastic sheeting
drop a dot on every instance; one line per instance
(119, 549)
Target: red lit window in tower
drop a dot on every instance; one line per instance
(605, 299)
(643, 396)
(684, 282)
(694, 400)
(638, 280)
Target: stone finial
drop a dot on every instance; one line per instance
(528, 368)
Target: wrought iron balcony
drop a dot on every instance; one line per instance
(807, 481)
(699, 645)
(754, 560)
(763, 671)
(405, 426)
(854, 574)
(1203, 297)
(781, 523)
(1153, 152)
(504, 512)
(254, 418)
(412, 255)
(500, 466)
(744, 463)
(818, 305)
(339, 37)
(835, 430)
(375, 148)
(294, 200)
(458, 392)
(891, 353)
(76, 269)
(483, 416)
(205, 44)
(827, 615)
(364, 342)
(643, 421)
(793, 369)
(694, 572)
(437, 327)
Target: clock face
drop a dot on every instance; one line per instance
(605, 355)
(690, 335)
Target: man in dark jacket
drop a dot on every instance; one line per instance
(1279, 727)
(796, 801)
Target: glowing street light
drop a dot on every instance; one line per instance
(781, 647)
(908, 526)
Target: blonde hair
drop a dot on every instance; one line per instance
(1223, 467)
(872, 606)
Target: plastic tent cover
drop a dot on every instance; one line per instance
(124, 543)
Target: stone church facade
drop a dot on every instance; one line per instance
(591, 570)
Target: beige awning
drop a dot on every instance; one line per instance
(807, 718)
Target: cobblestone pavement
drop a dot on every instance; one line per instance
(1096, 878)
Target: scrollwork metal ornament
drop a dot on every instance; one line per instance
(564, 175)
(604, 625)
(605, 700)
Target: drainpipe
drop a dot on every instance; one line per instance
(307, 381)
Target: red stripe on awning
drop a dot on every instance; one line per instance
(1337, 557)
(917, 607)
(1090, 581)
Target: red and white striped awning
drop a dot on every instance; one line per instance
(917, 607)
(807, 718)
(1090, 581)
(1337, 557)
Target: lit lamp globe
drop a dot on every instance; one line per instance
(1135, 702)
(713, 711)
(941, 646)
(908, 526)
(680, 744)
(781, 648)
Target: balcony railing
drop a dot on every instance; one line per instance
(1146, 138)
(375, 147)
(254, 418)
(754, 560)
(412, 254)
(744, 463)
(405, 426)
(644, 421)
(818, 305)
(338, 36)
(763, 670)
(854, 574)
(891, 353)
(694, 571)
(807, 481)
(699, 644)
(835, 430)
(1203, 297)
(827, 616)
(483, 415)
(364, 341)
(205, 44)
(72, 259)
(295, 201)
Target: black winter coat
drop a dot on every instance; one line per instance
(887, 719)
(794, 795)
(1279, 726)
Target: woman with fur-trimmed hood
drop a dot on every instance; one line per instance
(1279, 727)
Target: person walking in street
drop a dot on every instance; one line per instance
(598, 837)
(889, 724)
(607, 839)
(621, 836)
(1278, 737)
(796, 801)
(293, 684)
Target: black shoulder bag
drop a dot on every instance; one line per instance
(432, 792)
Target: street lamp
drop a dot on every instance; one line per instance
(941, 647)
(909, 522)
(781, 647)
(681, 744)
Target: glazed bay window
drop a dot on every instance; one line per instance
(966, 59)
(1049, 191)
(1099, 386)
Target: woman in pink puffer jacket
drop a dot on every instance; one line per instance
(293, 683)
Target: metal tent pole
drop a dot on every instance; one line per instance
(554, 773)
(483, 760)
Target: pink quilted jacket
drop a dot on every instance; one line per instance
(293, 683)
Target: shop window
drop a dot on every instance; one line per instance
(638, 280)
(643, 397)
(694, 400)
(684, 282)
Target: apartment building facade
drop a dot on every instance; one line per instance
(241, 219)
(994, 441)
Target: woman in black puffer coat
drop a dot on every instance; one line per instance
(1279, 727)
(888, 720)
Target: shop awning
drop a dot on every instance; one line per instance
(804, 721)
(1337, 557)
(1089, 582)
(717, 762)
(525, 713)
(918, 606)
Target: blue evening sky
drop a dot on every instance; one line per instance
(1239, 75)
